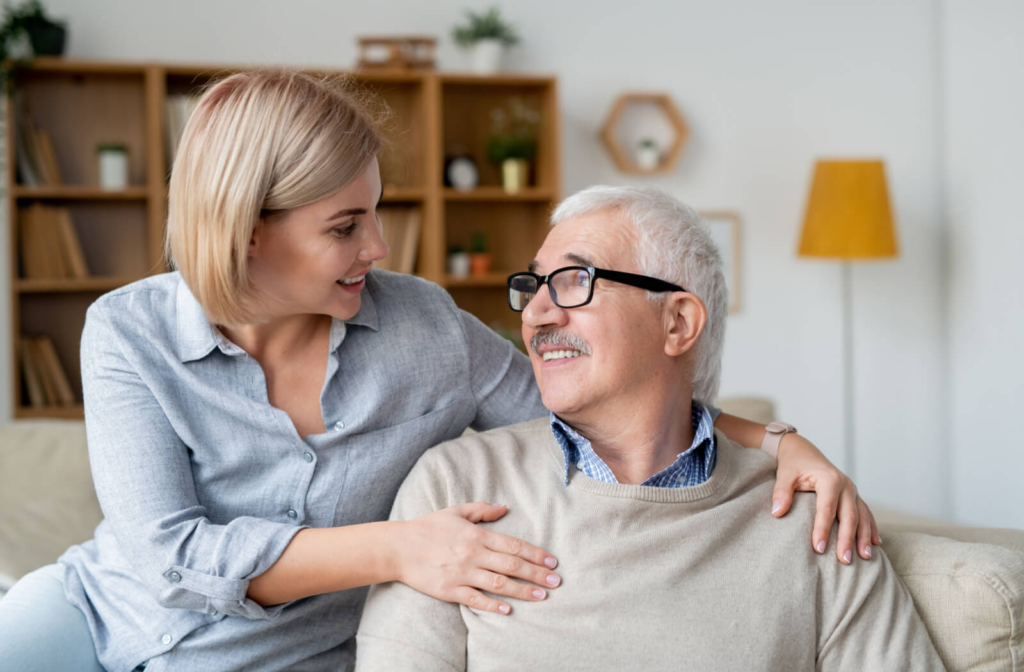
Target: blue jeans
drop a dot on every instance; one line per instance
(40, 631)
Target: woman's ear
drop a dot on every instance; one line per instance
(255, 238)
(685, 317)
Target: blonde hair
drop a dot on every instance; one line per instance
(257, 144)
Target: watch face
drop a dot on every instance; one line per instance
(462, 174)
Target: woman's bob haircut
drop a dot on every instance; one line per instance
(257, 144)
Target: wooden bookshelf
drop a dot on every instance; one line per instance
(80, 104)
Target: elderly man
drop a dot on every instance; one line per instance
(669, 560)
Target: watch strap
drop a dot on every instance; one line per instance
(773, 434)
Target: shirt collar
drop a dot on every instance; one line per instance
(197, 337)
(573, 443)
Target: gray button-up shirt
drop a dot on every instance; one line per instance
(203, 483)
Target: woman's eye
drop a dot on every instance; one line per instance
(345, 231)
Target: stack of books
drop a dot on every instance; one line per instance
(401, 230)
(45, 379)
(49, 245)
(36, 160)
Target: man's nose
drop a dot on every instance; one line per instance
(541, 311)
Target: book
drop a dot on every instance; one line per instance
(33, 379)
(48, 158)
(71, 247)
(410, 242)
(27, 170)
(401, 231)
(49, 387)
(178, 110)
(54, 372)
(32, 263)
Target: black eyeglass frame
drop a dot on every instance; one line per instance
(631, 279)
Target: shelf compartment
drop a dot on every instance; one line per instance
(489, 280)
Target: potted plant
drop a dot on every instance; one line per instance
(647, 154)
(479, 258)
(26, 32)
(486, 36)
(513, 142)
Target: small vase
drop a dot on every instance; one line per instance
(113, 167)
(514, 174)
(647, 158)
(458, 264)
(479, 263)
(487, 55)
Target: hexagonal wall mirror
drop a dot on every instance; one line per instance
(645, 133)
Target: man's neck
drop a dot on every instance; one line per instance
(639, 439)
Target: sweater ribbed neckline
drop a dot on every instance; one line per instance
(644, 493)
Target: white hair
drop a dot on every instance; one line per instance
(673, 245)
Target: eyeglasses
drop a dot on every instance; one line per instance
(573, 286)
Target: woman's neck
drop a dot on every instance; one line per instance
(279, 336)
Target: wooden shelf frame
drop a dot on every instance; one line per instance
(421, 99)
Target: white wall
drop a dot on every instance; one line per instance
(984, 176)
(766, 87)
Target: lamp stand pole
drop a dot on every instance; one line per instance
(849, 454)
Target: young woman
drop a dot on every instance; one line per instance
(251, 416)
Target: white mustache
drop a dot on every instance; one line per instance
(564, 338)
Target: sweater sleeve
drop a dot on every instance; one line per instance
(144, 484)
(402, 629)
(868, 620)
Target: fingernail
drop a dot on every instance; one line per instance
(550, 562)
(504, 608)
(504, 505)
(821, 546)
(867, 551)
(848, 556)
(553, 580)
(776, 505)
(879, 540)
(539, 594)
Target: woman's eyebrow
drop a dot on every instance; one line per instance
(346, 213)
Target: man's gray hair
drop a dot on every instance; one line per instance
(674, 245)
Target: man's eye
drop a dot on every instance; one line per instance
(583, 279)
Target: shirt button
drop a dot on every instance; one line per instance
(308, 457)
(174, 577)
(166, 639)
(292, 514)
(339, 425)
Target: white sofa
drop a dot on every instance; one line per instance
(967, 583)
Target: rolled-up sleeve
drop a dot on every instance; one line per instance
(501, 378)
(145, 486)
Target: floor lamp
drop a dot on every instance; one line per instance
(848, 218)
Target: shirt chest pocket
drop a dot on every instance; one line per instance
(379, 461)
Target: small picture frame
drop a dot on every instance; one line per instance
(724, 226)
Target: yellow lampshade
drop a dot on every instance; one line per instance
(848, 214)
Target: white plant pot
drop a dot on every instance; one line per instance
(487, 55)
(458, 264)
(647, 158)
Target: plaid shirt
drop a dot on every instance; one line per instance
(692, 467)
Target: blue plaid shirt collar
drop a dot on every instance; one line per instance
(691, 467)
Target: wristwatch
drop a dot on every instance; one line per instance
(773, 434)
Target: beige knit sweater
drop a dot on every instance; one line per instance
(699, 578)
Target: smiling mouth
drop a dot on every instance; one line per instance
(560, 354)
(352, 281)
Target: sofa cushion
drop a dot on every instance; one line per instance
(47, 501)
(967, 584)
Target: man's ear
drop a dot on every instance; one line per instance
(685, 317)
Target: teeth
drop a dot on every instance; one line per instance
(352, 281)
(560, 354)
